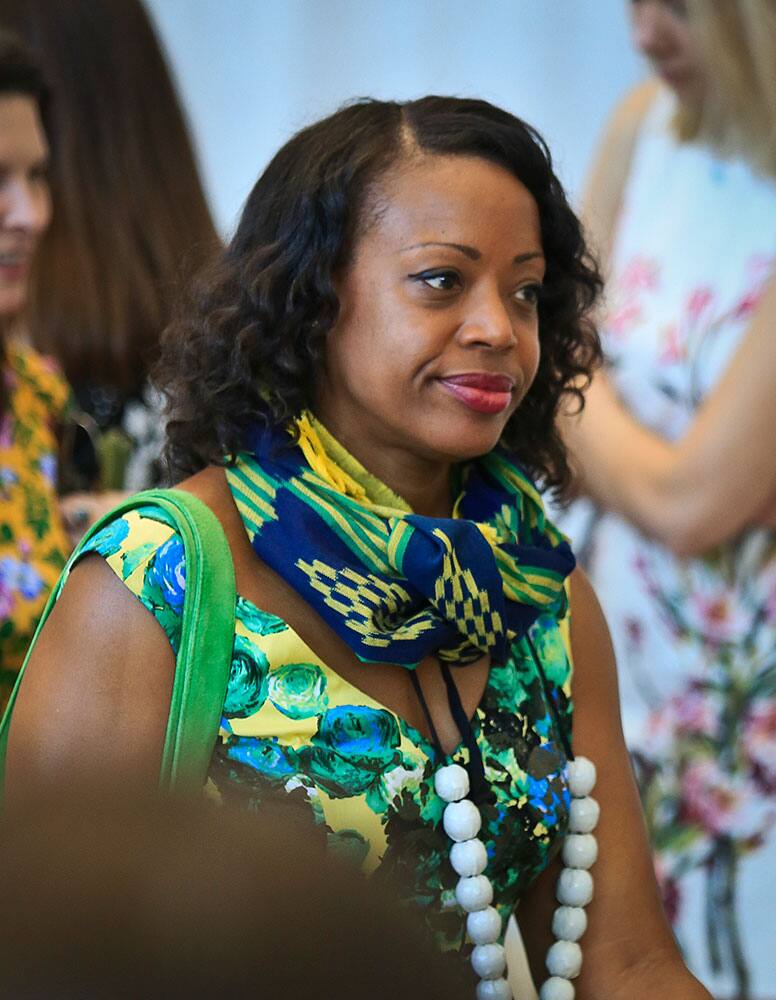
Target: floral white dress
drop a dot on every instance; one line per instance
(695, 638)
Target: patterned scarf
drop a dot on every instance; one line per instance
(394, 585)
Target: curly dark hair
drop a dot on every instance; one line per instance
(248, 344)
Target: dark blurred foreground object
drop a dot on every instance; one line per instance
(152, 899)
(130, 221)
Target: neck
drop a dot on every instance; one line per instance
(423, 484)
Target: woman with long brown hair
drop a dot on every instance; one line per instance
(33, 396)
(131, 215)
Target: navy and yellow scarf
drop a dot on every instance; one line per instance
(395, 586)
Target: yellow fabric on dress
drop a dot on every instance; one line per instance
(33, 541)
(296, 734)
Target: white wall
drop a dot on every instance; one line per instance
(251, 72)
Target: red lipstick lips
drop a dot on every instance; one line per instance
(480, 391)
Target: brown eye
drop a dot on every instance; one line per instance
(440, 281)
(529, 293)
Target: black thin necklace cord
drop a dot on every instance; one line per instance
(480, 790)
(427, 713)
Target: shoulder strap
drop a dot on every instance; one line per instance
(207, 637)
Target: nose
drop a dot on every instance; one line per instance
(489, 323)
(649, 28)
(26, 206)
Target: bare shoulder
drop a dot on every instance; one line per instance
(625, 120)
(255, 581)
(211, 487)
(96, 692)
(611, 165)
(630, 111)
(594, 682)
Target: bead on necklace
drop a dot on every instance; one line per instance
(474, 892)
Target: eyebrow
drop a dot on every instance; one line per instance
(472, 253)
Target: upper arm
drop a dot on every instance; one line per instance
(94, 702)
(627, 931)
(606, 180)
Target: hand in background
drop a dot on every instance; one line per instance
(81, 510)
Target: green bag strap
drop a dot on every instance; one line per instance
(207, 637)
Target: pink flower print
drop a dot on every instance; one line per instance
(6, 431)
(634, 630)
(693, 713)
(619, 321)
(759, 740)
(723, 804)
(640, 274)
(669, 889)
(748, 302)
(7, 600)
(715, 614)
(698, 302)
(674, 336)
(673, 346)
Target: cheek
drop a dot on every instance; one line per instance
(530, 357)
(44, 209)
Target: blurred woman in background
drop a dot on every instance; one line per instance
(131, 217)
(675, 450)
(33, 396)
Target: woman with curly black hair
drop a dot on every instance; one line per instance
(362, 389)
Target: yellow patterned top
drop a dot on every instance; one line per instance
(295, 732)
(33, 542)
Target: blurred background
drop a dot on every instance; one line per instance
(252, 72)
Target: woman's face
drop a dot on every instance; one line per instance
(438, 336)
(661, 32)
(24, 198)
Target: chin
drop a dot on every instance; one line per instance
(12, 301)
(468, 444)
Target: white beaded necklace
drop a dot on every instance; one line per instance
(462, 822)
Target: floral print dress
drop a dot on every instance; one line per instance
(695, 638)
(33, 542)
(355, 773)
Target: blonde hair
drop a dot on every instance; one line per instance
(737, 113)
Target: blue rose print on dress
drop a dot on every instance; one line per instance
(366, 736)
(257, 621)
(298, 690)
(548, 791)
(246, 690)
(108, 541)
(268, 757)
(354, 745)
(168, 572)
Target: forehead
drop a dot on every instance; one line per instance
(22, 140)
(457, 198)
